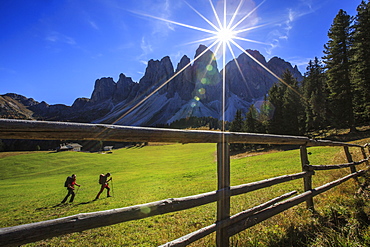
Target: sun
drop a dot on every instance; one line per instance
(225, 35)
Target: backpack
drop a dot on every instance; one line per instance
(102, 179)
(68, 181)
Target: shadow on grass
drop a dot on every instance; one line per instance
(61, 205)
(84, 203)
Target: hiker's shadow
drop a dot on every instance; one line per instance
(59, 205)
(83, 203)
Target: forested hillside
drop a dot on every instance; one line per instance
(335, 89)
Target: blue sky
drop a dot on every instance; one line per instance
(54, 50)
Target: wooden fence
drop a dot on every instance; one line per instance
(225, 225)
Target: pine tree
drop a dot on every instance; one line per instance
(237, 125)
(337, 51)
(275, 96)
(315, 96)
(250, 120)
(292, 106)
(361, 63)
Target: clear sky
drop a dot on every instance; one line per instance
(54, 50)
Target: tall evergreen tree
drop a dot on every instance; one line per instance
(315, 96)
(251, 123)
(337, 51)
(361, 63)
(237, 125)
(250, 120)
(288, 113)
(292, 106)
(275, 97)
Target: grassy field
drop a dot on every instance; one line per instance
(32, 188)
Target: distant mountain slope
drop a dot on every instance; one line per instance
(15, 106)
(156, 100)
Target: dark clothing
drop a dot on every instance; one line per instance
(70, 192)
(70, 188)
(103, 179)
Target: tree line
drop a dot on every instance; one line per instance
(334, 92)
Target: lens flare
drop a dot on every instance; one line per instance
(201, 90)
(224, 33)
(145, 210)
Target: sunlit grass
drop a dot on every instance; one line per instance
(33, 188)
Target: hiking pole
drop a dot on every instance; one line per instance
(77, 190)
(112, 186)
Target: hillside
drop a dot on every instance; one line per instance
(14, 107)
(154, 173)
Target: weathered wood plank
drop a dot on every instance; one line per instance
(338, 166)
(349, 159)
(47, 130)
(366, 158)
(223, 185)
(244, 188)
(307, 181)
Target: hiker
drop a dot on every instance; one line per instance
(70, 184)
(103, 180)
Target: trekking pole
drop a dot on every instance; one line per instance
(77, 190)
(112, 186)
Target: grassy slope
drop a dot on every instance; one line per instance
(32, 187)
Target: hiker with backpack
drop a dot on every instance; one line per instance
(70, 184)
(103, 180)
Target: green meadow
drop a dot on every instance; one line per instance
(32, 187)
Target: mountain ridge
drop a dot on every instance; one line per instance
(196, 90)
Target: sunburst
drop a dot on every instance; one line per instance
(224, 34)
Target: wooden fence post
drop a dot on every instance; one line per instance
(223, 204)
(365, 156)
(307, 181)
(349, 158)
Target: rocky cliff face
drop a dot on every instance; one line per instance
(279, 66)
(194, 90)
(183, 83)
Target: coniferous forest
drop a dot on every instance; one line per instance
(335, 89)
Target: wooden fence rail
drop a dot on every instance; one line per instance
(280, 207)
(46, 130)
(338, 166)
(40, 230)
(201, 233)
(225, 225)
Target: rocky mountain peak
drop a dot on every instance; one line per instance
(279, 66)
(125, 88)
(104, 89)
(196, 90)
(183, 83)
(79, 103)
(22, 99)
(256, 54)
(156, 73)
(205, 74)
